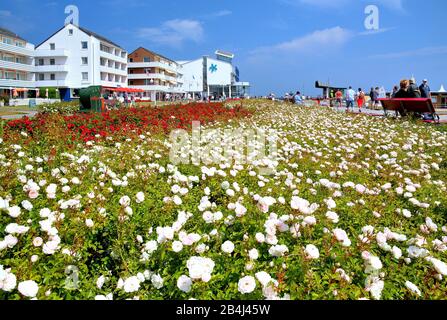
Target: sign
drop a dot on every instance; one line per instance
(219, 72)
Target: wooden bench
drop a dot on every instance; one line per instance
(417, 107)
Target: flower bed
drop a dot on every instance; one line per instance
(355, 209)
(88, 126)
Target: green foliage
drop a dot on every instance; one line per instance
(59, 107)
(53, 93)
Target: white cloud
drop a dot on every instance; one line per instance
(373, 32)
(222, 13)
(315, 42)
(173, 32)
(5, 13)
(427, 51)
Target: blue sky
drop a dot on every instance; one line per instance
(280, 45)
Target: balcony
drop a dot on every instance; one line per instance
(134, 76)
(16, 66)
(51, 53)
(52, 68)
(52, 83)
(157, 88)
(160, 65)
(24, 51)
(113, 70)
(17, 83)
(113, 57)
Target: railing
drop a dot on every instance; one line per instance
(51, 53)
(26, 51)
(16, 66)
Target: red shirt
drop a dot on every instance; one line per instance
(338, 94)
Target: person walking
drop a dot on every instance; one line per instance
(372, 96)
(339, 97)
(413, 89)
(425, 90)
(350, 98)
(360, 99)
(298, 98)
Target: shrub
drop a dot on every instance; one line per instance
(52, 93)
(5, 99)
(59, 107)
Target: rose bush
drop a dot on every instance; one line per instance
(92, 208)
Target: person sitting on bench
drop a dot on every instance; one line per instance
(413, 89)
(403, 91)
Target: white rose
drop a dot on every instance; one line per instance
(264, 278)
(140, 197)
(28, 288)
(38, 241)
(184, 283)
(14, 212)
(260, 238)
(413, 288)
(312, 252)
(177, 246)
(89, 223)
(227, 247)
(131, 284)
(157, 281)
(124, 201)
(253, 254)
(247, 285)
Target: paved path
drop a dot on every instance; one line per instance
(442, 113)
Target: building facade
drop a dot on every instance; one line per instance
(439, 98)
(154, 73)
(75, 58)
(214, 77)
(16, 64)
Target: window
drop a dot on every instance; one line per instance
(53, 76)
(84, 45)
(41, 62)
(41, 77)
(52, 46)
(85, 76)
(52, 62)
(130, 59)
(146, 59)
(7, 40)
(84, 60)
(70, 32)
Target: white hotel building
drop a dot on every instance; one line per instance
(16, 63)
(213, 77)
(75, 58)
